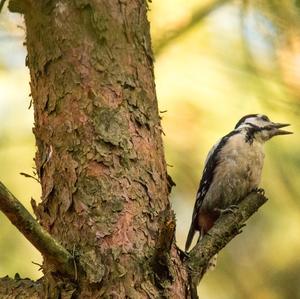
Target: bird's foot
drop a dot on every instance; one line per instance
(259, 191)
(183, 254)
(208, 234)
(240, 229)
(230, 209)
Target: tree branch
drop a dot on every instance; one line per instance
(197, 16)
(225, 229)
(32, 230)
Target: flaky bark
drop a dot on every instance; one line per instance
(100, 157)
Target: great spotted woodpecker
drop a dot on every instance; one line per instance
(232, 170)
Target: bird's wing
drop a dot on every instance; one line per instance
(206, 180)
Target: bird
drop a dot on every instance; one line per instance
(232, 170)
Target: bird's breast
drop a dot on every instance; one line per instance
(239, 158)
(237, 173)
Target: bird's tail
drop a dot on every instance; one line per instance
(190, 237)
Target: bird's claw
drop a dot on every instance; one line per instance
(240, 229)
(208, 234)
(184, 254)
(259, 191)
(230, 209)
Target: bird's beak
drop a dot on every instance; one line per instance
(277, 130)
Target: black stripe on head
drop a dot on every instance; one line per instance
(250, 133)
(253, 130)
(209, 171)
(242, 120)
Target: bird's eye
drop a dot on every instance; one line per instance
(265, 118)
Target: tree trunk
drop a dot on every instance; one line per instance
(99, 153)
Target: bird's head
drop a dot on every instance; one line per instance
(260, 127)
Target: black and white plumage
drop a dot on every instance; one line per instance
(232, 170)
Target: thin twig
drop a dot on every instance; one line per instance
(198, 15)
(74, 263)
(26, 175)
(37, 264)
(32, 230)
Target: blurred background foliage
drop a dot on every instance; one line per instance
(215, 62)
